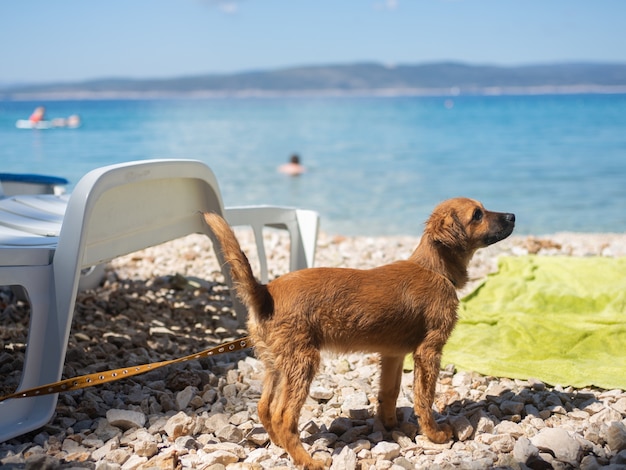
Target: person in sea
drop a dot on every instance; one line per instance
(38, 115)
(293, 167)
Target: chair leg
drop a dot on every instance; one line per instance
(44, 357)
(304, 239)
(91, 277)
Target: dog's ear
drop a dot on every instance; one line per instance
(447, 229)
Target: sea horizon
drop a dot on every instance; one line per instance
(392, 92)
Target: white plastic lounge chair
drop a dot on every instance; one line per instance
(113, 211)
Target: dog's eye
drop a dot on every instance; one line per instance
(478, 215)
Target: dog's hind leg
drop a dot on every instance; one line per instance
(390, 380)
(427, 362)
(298, 368)
(271, 384)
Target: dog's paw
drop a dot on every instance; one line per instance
(440, 434)
(389, 422)
(315, 465)
(321, 461)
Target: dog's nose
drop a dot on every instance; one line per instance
(509, 217)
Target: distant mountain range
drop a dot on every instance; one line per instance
(445, 78)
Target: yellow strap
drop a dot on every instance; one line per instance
(98, 378)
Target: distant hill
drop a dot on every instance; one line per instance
(364, 78)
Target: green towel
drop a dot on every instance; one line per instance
(558, 319)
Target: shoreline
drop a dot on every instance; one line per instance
(447, 92)
(168, 301)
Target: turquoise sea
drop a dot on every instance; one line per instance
(376, 165)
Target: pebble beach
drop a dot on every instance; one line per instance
(170, 301)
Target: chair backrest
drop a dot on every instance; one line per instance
(119, 209)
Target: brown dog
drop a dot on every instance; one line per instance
(404, 307)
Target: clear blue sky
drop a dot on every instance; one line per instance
(71, 40)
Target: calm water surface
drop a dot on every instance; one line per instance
(376, 166)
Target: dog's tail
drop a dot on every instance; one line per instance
(253, 294)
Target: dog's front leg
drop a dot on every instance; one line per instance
(390, 379)
(427, 362)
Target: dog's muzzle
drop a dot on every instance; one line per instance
(506, 224)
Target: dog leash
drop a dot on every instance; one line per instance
(98, 378)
